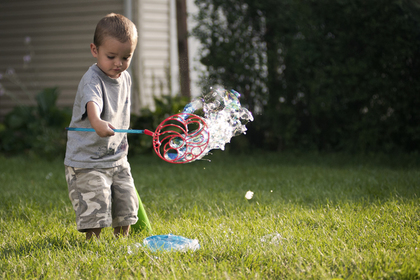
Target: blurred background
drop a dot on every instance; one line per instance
(317, 75)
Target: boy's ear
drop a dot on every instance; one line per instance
(94, 50)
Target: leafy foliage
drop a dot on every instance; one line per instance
(320, 75)
(36, 129)
(166, 106)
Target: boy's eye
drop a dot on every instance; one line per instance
(111, 57)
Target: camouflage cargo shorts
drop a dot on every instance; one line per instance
(102, 197)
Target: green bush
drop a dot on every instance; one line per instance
(323, 75)
(37, 130)
(166, 106)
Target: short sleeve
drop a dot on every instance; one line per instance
(92, 91)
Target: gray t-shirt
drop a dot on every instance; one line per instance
(87, 149)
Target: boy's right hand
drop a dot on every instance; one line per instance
(102, 128)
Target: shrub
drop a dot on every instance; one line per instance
(166, 106)
(323, 75)
(37, 130)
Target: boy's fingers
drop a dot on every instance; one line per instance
(111, 128)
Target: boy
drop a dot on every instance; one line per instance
(98, 174)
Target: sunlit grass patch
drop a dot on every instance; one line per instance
(311, 216)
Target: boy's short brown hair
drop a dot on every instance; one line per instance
(116, 26)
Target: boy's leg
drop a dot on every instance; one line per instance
(125, 204)
(90, 194)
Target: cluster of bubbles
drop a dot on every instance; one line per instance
(223, 115)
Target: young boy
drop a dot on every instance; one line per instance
(98, 174)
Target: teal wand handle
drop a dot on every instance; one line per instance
(138, 131)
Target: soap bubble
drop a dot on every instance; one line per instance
(272, 238)
(223, 114)
(249, 195)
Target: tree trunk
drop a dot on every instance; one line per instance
(184, 68)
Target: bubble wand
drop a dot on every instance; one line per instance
(181, 138)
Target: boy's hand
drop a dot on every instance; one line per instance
(102, 128)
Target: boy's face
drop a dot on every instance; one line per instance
(113, 57)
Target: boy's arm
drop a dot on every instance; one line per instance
(101, 127)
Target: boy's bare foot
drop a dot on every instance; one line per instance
(121, 231)
(93, 232)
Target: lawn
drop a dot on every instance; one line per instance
(313, 216)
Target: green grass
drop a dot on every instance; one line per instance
(339, 216)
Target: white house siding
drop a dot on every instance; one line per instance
(157, 50)
(153, 63)
(196, 68)
(60, 33)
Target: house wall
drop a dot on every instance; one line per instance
(60, 33)
(153, 68)
(194, 45)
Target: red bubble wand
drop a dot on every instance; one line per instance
(180, 138)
